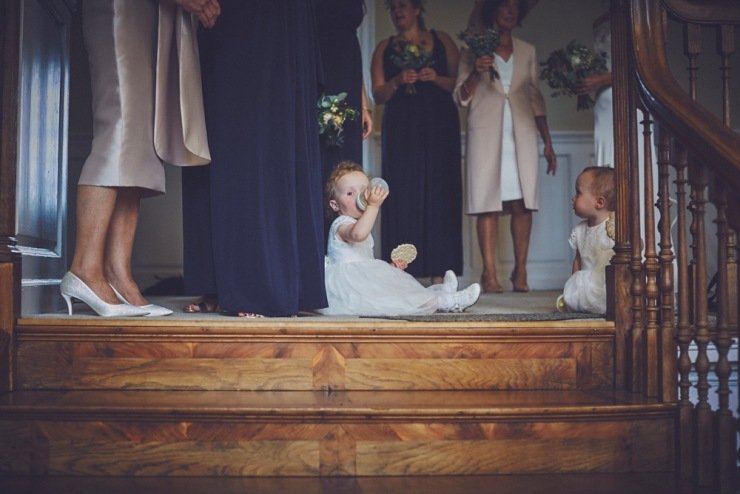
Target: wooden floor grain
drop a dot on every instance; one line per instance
(500, 484)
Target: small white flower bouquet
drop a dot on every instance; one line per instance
(333, 113)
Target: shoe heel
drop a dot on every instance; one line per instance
(68, 299)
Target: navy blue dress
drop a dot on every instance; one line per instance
(421, 163)
(341, 60)
(253, 224)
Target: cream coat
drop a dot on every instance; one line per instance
(482, 176)
(179, 121)
(147, 97)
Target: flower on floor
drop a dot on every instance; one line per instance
(565, 69)
(481, 44)
(333, 113)
(411, 56)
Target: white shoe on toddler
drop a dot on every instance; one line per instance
(448, 285)
(460, 300)
(449, 282)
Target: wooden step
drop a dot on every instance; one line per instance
(352, 433)
(312, 354)
(619, 483)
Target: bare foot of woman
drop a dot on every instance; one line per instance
(207, 304)
(490, 284)
(519, 280)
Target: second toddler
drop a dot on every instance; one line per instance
(593, 240)
(359, 284)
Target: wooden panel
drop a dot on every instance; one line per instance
(402, 374)
(10, 296)
(292, 364)
(599, 444)
(507, 456)
(233, 374)
(17, 447)
(190, 458)
(578, 483)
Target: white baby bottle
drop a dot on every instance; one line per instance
(374, 182)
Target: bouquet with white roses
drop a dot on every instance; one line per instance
(333, 113)
(565, 69)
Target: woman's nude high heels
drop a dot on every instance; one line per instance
(73, 287)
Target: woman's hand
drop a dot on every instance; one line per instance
(593, 83)
(207, 11)
(483, 64)
(407, 76)
(551, 157)
(428, 74)
(367, 123)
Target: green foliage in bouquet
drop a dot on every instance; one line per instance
(565, 69)
(411, 56)
(333, 112)
(481, 44)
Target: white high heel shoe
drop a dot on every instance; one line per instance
(73, 287)
(152, 309)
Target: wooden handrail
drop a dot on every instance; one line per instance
(703, 134)
(702, 12)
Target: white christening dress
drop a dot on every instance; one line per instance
(358, 284)
(585, 290)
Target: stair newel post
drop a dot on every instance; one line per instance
(726, 48)
(637, 287)
(724, 424)
(684, 328)
(10, 258)
(692, 48)
(651, 268)
(698, 178)
(620, 264)
(667, 335)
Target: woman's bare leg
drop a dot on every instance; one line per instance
(521, 230)
(120, 245)
(487, 227)
(95, 207)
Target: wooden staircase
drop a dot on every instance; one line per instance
(324, 397)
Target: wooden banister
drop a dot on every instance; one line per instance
(703, 12)
(705, 154)
(701, 132)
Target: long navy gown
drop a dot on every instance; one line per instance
(421, 163)
(253, 225)
(341, 60)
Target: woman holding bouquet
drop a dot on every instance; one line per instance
(505, 115)
(337, 22)
(413, 75)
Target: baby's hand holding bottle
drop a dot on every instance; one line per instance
(374, 195)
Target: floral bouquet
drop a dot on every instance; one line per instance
(566, 68)
(481, 44)
(411, 56)
(333, 112)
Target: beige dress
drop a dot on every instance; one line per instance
(484, 142)
(147, 97)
